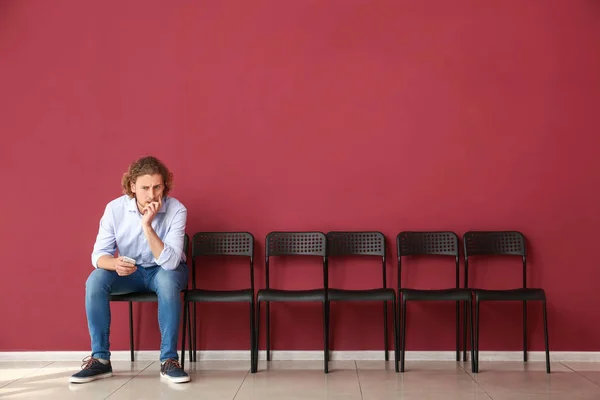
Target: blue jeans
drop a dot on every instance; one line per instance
(166, 284)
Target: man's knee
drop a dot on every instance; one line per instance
(169, 283)
(99, 282)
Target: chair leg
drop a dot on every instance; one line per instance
(524, 331)
(257, 335)
(131, 330)
(325, 336)
(470, 312)
(252, 340)
(476, 335)
(268, 328)
(195, 333)
(403, 336)
(465, 331)
(458, 330)
(396, 343)
(191, 320)
(398, 319)
(547, 345)
(185, 321)
(385, 332)
(328, 332)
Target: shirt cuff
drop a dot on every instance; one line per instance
(96, 257)
(165, 259)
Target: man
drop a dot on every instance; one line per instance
(149, 227)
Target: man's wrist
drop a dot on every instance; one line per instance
(147, 227)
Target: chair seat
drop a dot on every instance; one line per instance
(510, 294)
(135, 296)
(219, 296)
(452, 294)
(380, 294)
(290, 295)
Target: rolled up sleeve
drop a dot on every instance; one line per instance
(172, 253)
(106, 244)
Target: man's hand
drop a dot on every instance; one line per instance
(124, 268)
(150, 211)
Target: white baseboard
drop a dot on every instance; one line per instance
(153, 355)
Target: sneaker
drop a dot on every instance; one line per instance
(171, 370)
(91, 369)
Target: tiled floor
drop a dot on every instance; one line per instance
(372, 380)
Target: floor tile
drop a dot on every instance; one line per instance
(52, 382)
(210, 380)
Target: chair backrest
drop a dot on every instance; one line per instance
(494, 243)
(296, 244)
(491, 243)
(224, 244)
(427, 244)
(357, 244)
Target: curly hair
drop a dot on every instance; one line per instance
(146, 166)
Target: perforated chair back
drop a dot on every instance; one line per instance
(295, 243)
(355, 244)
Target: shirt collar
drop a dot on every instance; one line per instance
(132, 205)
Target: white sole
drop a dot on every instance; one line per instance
(182, 379)
(89, 379)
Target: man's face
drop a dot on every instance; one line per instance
(148, 188)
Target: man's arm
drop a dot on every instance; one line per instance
(107, 262)
(103, 255)
(156, 245)
(167, 252)
(106, 243)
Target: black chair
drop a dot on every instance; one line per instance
(144, 297)
(432, 244)
(222, 244)
(293, 244)
(510, 243)
(344, 244)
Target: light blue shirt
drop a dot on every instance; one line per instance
(121, 230)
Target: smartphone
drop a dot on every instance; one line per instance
(129, 260)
